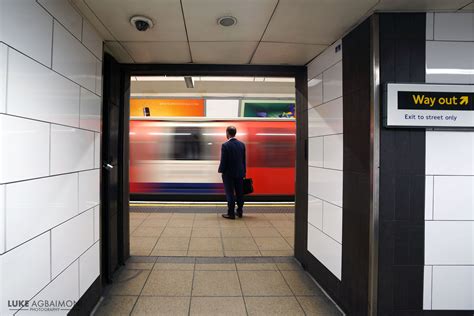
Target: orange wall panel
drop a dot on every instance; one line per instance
(167, 107)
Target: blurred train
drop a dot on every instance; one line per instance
(178, 159)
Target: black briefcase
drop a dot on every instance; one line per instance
(248, 185)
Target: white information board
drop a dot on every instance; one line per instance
(429, 105)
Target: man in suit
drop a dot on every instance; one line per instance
(233, 169)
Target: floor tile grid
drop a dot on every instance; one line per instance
(264, 217)
(241, 291)
(192, 285)
(290, 216)
(187, 253)
(246, 303)
(141, 291)
(159, 236)
(280, 260)
(293, 292)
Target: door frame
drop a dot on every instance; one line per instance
(301, 97)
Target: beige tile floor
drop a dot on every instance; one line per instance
(214, 286)
(210, 235)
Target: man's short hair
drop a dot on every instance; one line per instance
(231, 130)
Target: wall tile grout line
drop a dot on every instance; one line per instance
(308, 64)
(324, 200)
(53, 70)
(49, 229)
(49, 149)
(325, 233)
(79, 112)
(6, 78)
(324, 158)
(431, 300)
(49, 176)
(62, 271)
(79, 276)
(52, 42)
(326, 135)
(80, 40)
(82, 27)
(433, 200)
(325, 102)
(48, 122)
(325, 168)
(50, 254)
(4, 215)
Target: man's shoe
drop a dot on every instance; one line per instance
(240, 214)
(227, 216)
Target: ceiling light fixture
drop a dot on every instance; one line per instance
(189, 82)
(227, 21)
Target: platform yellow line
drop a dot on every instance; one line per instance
(206, 205)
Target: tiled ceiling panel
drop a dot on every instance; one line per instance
(159, 52)
(283, 53)
(267, 31)
(116, 14)
(222, 52)
(315, 21)
(469, 7)
(252, 18)
(421, 5)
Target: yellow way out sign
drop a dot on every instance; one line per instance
(422, 99)
(425, 105)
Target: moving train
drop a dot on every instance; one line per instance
(178, 159)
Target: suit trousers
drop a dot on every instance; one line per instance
(234, 191)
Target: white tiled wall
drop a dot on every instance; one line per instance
(449, 195)
(64, 249)
(50, 97)
(72, 149)
(50, 124)
(325, 153)
(63, 288)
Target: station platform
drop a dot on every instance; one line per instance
(209, 207)
(198, 230)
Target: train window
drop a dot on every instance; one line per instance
(272, 148)
(187, 143)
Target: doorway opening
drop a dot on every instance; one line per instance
(177, 128)
(197, 255)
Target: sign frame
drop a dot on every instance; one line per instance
(393, 117)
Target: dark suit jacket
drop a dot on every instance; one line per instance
(233, 159)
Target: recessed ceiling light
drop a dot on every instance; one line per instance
(189, 82)
(227, 21)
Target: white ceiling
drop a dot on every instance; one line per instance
(267, 32)
(203, 88)
(422, 5)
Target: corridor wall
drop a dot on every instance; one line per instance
(425, 214)
(50, 124)
(325, 154)
(449, 181)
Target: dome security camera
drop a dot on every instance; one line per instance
(141, 23)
